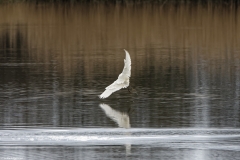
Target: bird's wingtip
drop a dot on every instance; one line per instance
(101, 97)
(125, 50)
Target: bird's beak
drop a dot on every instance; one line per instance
(130, 111)
(129, 90)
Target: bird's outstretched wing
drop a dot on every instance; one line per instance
(115, 86)
(122, 119)
(126, 73)
(127, 65)
(123, 78)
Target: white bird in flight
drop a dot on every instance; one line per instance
(122, 119)
(122, 81)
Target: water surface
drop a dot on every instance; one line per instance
(56, 59)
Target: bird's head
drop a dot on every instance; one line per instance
(132, 90)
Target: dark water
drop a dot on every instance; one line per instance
(55, 60)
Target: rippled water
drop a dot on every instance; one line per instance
(56, 59)
(143, 143)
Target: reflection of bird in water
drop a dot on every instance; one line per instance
(122, 81)
(122, 119)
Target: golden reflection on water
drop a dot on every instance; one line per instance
(59, 31)
(84, 27)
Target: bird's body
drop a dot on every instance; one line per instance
(123, 79)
